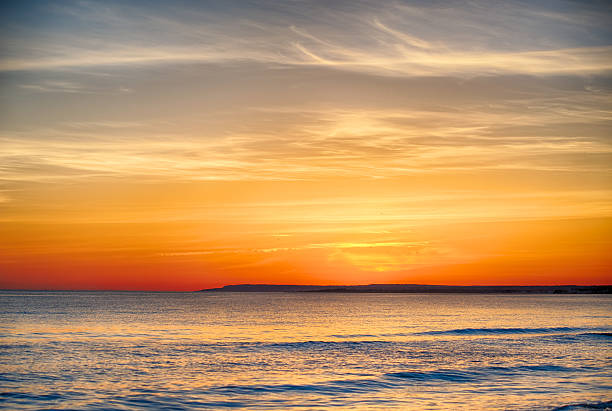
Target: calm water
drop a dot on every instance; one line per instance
(101, 350)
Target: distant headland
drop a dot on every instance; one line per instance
(418, 288)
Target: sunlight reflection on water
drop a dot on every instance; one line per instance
(91, 350)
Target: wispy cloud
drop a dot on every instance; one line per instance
(352, 140)
(413, 127)
(384, 39)
(315, 246)
(55, 87)
(285, 143)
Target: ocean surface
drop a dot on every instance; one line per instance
(137, 350)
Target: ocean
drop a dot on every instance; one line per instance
(147, 350)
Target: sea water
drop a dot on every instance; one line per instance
(137, 350)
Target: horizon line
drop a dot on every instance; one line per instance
(295, 285)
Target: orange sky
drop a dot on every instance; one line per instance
(192, 147)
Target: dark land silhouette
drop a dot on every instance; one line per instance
(419, 288)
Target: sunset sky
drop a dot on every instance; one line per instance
(190, 144)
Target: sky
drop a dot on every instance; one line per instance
(191, 144)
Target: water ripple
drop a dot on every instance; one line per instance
(585, 406)
(509, 331)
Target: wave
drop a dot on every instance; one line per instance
(353, 336)
(146, 399)
(474, 374)
(364, 344)
(586, 406)
(305, 345)
(598, 334)
(509, 331)
(395, 380)
(275, 395)
(355, 386)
